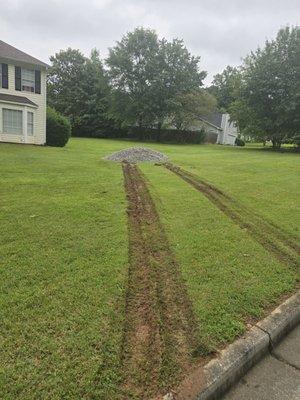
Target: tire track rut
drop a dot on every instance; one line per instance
(160, 335)
(284, 247)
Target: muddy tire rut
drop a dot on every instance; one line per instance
(160, 336)
(283, 246)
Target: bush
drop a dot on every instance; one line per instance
(239, 142)
(58, 129)
(147, 134)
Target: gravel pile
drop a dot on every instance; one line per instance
(137, 154)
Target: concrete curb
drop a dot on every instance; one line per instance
(234, 361)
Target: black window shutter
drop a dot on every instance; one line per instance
(18, 78)
(37, 81)
(4, 76)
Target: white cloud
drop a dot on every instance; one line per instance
(220, 32)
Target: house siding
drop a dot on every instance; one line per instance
(229, 131)
(39, 112)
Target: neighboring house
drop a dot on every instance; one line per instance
(219, 128)
(22, 97)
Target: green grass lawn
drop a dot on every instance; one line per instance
(229, 276)
(63, 272)
(265, 180)
(64, 256)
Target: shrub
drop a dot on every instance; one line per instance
(58, 129)
(148, 134)
(239, 142)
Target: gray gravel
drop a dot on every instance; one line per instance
(137, 154)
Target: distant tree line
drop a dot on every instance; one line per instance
(145, 82)
(263, 94)
(151, 83)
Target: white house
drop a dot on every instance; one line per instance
(22, 97)
(219, 128)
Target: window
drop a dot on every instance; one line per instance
(12, 121)
(29, 123)
(4, 75)
(28, 80)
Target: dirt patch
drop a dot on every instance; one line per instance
(271, 237)
(160, 337)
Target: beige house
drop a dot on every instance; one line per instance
(22, 97)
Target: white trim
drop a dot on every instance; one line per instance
(25, 124)
(30, 124)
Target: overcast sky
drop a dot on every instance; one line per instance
(221, 32)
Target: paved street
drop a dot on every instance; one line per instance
(276, 377)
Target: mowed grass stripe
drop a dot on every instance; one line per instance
(63, 270)
(275, 241)
(288, 239)
(231, 279)
(160, 334)
(265, 181)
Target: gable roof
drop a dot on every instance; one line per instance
(11, 53)
(214, 119)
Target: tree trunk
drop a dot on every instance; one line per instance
(276, 143)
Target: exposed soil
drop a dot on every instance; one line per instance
(160, 343)
(160, 337)
(271, 237)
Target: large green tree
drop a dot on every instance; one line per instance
(64, 81)
(226, 87)
(132, 70)
(78, 88)
(271, 86)
(265, 99)
(177, 75)
(147, 76)
(191, 105)
(95, 93)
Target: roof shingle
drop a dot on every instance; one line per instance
(16, 99)
(11, 53)
(214, 119)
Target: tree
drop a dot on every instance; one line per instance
(249, 126)
(190, 106)
(263, 95)
(78, 88)
(271, 89)
(147, 76)
(226, 87)
(177, 75)
(132, 70)
(64, 81)
(95, 93)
